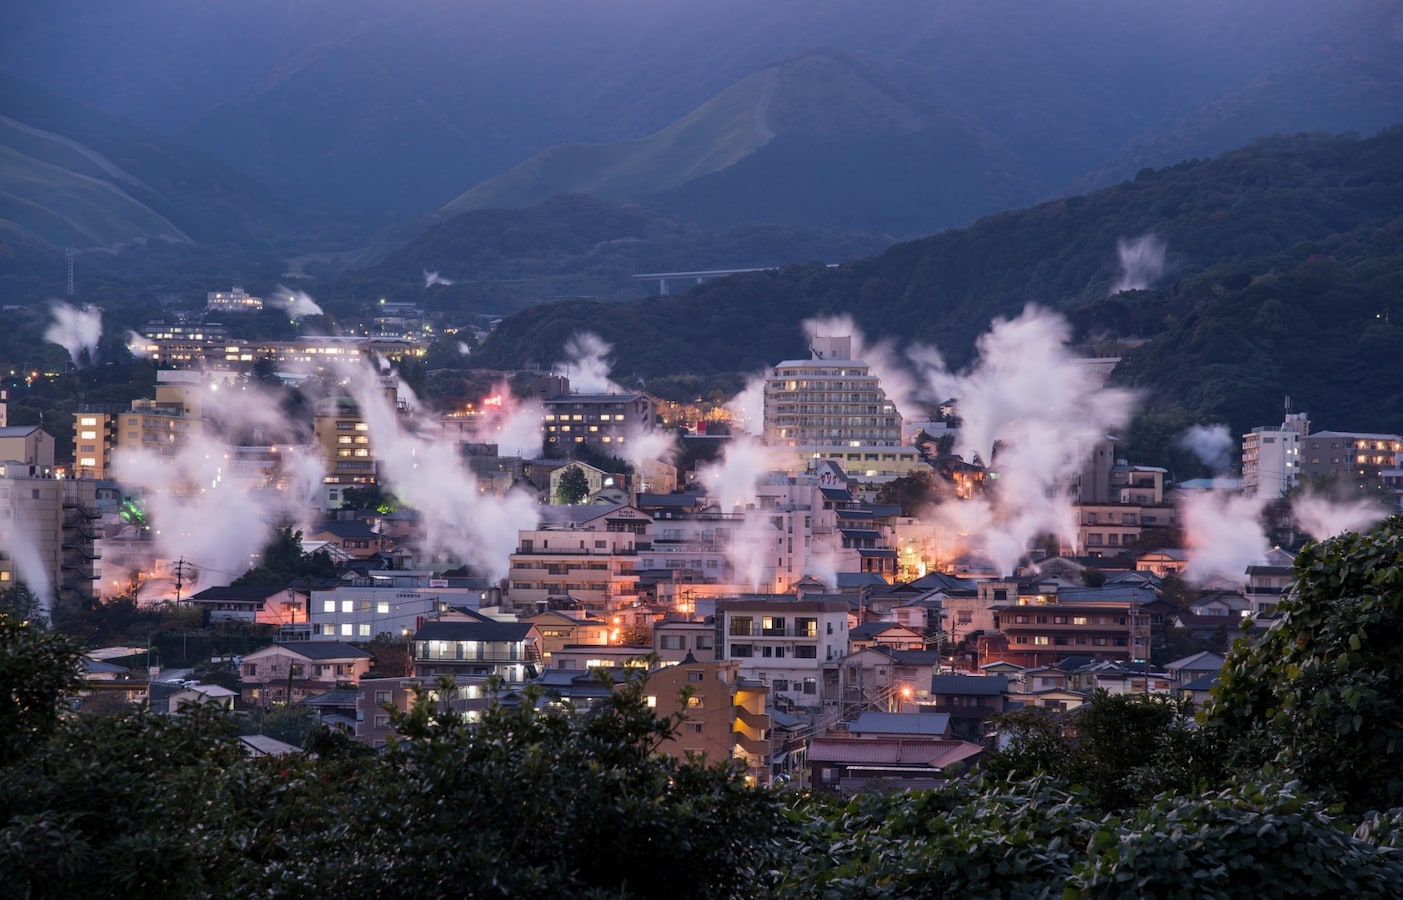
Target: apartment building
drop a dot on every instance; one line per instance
(606, 421)
(725, 715)
(587, 554)
(1271, 456)
(783, 642)
(235, 300)
(1355, 459)
(48, 531)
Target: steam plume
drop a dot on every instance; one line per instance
(1141, 263)
(75, 329)
(433, 278)
(296, 303)
(207, 508)
(1322, 518)
(1224, 534)
(458, 517)
(587, 364)
(1212, 444)
(1030, 411)
(747, 408)
(30, 568)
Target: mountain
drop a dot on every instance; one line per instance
(821, 140)
(394, 109)
(503, 260)
(1285, 248)
(72, 176)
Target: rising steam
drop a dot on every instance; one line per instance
(296, 303)
(1211, 444)
(75, 329)
(1141, 263)
(587, 364)
(1031, 411)
(433, 278)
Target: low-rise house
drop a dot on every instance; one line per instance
(377, 697)
(674, 639)
(470, 644)
(875, 723)
(560, 629)
(291, 671)
(889, 634)
(1193, 667)
(201, 695)
(848, 765)
(968, 697)
(262, 605)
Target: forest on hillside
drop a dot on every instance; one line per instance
(1281, 263)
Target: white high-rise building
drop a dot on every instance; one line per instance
(1271, 456)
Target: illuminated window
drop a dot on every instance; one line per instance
(383, 607)
(329, 606)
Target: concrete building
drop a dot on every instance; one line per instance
(232, 301)
(48, 532)
(343, 437)
(29, 445)
(726, 716)
(832, 407)
(475, 645)
(783, 642)
(588, 554)
(606, 421)
(1271, 456)
(1355, 459)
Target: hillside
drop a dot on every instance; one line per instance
(503, 260)
(72, 176)
(756, 152)
(396, 108)
(1278, 234)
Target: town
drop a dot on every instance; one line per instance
(855, 576)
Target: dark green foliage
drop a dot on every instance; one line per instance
(106, 807)
(38, 670)
(1248, 841)
(914, 493)
(574, 486)
(283, 561)
(1320, 696)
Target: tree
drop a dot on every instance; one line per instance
(1320, 696)
(913, 492)
(574, 486)
(38, 670)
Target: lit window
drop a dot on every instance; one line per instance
(329, 606)
(383, 607)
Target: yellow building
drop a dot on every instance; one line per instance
(725, 715)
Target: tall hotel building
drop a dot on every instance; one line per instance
(832, 406)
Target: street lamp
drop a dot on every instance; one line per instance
(408, 650)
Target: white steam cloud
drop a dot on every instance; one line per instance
(1323, 518)
(459, 518)
(296, 303)
(747, 408)
(213, 505)
(1211, 444)
(31, 569)
(587, 364)
(137, 344)
(1141, 263)
(1224, 534)
(433, 278)
(75, 329)
(1030, 411)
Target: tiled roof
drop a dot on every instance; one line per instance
(324, 649)
(492, 632)
(933, 753)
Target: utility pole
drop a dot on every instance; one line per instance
(179, 577)
(70, 253)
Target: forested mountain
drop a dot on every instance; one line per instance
(819, 140)
(397, 108)
(1283, 262)
(503, 260)
(72, 176)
